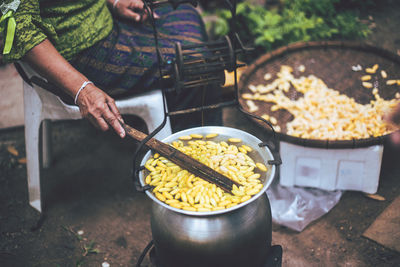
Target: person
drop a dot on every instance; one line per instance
(96, 50)
(393, 118)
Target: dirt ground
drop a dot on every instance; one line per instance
(93, 214)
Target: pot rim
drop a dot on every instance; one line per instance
(261, 153)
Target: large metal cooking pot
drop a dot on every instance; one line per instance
(238, 236)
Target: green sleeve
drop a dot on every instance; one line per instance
(30, 30)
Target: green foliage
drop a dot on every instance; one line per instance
(90, 248)
(294, 20)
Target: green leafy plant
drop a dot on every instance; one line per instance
(90, 248)
(292, 21)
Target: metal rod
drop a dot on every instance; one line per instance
(202, 81)
(185, 53)
(215, 57)
(205, 65)
(214, 106)
(200, 71)
(203, 84)
(217, 42)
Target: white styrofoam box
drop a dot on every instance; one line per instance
(331, 169)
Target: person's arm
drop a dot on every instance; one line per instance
(394, 119)
(94, 104)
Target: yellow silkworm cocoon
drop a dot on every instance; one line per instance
(267, 76)
(265, 117)
(301, 68)
(373, 69)
(189, 208)
(366, 78)
(185, 137)
(160, 197)
(248, 149)
(367, 84)
(275, 108)
(247, 96)
(273, 120)
(261, 167)
(243, 150)
(168, 196)
(211, 135)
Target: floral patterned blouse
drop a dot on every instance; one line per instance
(70, 25)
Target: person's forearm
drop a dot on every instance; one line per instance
(47, 61)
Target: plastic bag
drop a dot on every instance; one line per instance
(296, 207)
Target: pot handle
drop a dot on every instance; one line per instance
(273, 145)
(136, 182)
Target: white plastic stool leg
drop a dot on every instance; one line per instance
(32, 112)
(46, 143)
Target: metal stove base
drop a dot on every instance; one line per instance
(274, 258)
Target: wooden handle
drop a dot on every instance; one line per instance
(183, 160)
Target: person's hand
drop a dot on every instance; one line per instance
(393, 118)
(100, 109)
(131, 10)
